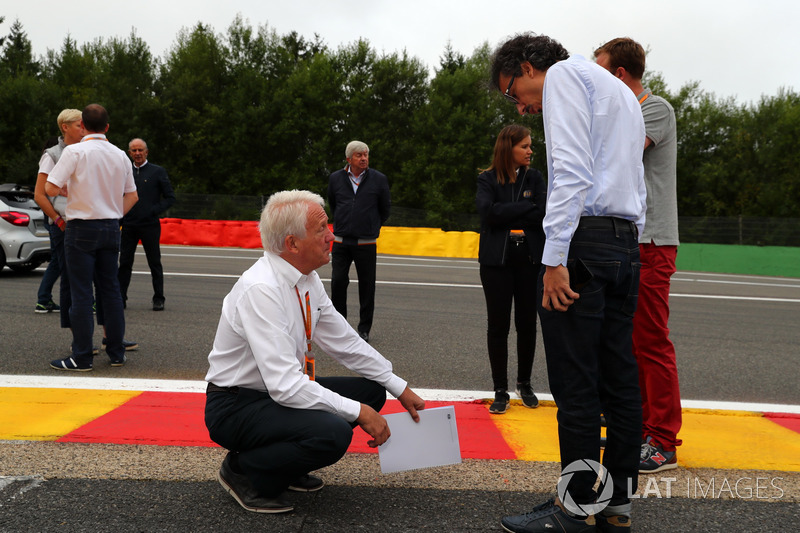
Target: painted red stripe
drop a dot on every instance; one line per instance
(160, 418)
(176, 419)
(789, 421)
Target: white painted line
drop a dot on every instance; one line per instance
(443, 395)
(748, 298)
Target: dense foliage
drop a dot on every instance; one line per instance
(249, 112)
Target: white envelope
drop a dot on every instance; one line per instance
(431, 442)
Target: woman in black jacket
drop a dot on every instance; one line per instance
(511, 201)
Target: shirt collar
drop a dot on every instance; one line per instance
(143, 164)
(359, 177)
(284, 270)
(94, 136)
(645, 92)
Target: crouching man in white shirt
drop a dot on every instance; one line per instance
(263, 403)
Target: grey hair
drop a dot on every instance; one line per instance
(137, 139)
(286, 213)
(353, 147)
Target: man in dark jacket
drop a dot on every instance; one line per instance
(360, 201)
(142, 222)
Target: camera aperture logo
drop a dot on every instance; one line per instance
(585, 465)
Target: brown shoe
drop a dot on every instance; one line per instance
(238, 486)
(307, 483)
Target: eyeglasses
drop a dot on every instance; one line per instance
(507, 94)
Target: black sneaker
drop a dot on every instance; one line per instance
(70, 363)
(158, 305)
(307, 483)
(500, 403)
(238, 486)
(49, 307)
(613, 524)
(525, 392)
(654, 459)
(546, 518)
(119, 362)
(128, 345)
(364, 335)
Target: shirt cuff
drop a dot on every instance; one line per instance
(350, 409)
(555, 253)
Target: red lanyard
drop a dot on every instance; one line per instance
(309, 358)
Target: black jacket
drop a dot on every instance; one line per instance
(155, 195)
(502, 208)
(358, 215)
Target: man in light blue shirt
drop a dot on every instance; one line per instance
(596, 203)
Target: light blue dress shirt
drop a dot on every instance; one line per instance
(595, 135)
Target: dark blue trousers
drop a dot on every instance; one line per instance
(53, 270)
(590, 362)
(278, 444)
(91, 250)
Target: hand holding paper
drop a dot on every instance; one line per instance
(373, 425)
(412, 403)
(431, 442)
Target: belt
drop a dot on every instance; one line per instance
(215, 388)
(351, 241)
(613, 223)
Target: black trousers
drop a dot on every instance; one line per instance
(516, 280)
(150, 235)
(278, 444)
(365, 257)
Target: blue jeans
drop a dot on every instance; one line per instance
(590, 362)
(53, 270)
(91, 249)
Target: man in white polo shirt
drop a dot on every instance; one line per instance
(101, 188)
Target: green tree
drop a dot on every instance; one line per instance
(192, 131)
(124, 78)
(454, 135)
(17, 57)
(25, 100)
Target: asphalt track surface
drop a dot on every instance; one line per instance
(736, 337)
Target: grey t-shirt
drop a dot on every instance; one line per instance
(660, 171)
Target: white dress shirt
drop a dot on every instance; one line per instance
(595, 138)
(97, 174)
(261, 340)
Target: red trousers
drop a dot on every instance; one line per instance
(655, 354)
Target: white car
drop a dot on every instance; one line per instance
(24, 240)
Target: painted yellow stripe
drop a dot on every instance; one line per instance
(531, 433)
(736, 439)
(49, 414)
(711, 439)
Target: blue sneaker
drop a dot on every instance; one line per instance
(71, 364)
(119, 362)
